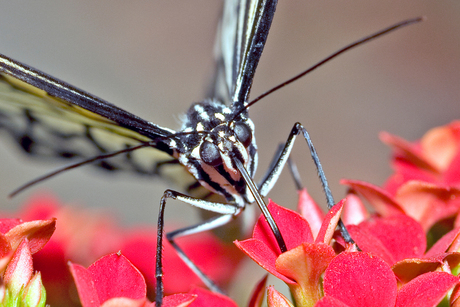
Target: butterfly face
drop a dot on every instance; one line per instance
(209, 155)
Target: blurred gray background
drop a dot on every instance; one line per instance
(154, 58)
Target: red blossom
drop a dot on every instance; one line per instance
(393, 238)
(400, 241)
(302, 265)
(14, 232)
(112, 276)
(276, 299)
(206, 298)
(360, 279)
(84, 235)
(435, 158)
(310, 210)
(20, 269)
(21, 286)
(425, 202)
(113, 281)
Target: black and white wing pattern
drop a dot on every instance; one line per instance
(50, 118)
(241, 37)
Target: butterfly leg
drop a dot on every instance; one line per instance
(283, 156)
(228, 211)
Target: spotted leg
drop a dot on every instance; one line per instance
(283, 156)
(228, 211)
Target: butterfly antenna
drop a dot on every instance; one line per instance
(72, 166)
(262, 205)
(364, 40)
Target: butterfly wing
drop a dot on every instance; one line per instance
(50, 118)
(241, 37)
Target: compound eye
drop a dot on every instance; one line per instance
(243, 133)
(210, 154)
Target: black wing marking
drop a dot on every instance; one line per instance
(79, 98)
(240, 41)
(50, 118)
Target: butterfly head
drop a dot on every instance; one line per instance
(211, 152)
(225, 143)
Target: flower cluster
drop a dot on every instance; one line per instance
(18, 241)
(390, 263)
(79, 237)
(405, 252)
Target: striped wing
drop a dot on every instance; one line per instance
(241, 37)
(50, 118)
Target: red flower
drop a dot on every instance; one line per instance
(84, 235)
(393, 238)
(111, 277)
(302, 265)
(21, 287)
(114, 281)
(360, 279)
(206, 298)
(400, 240)
(13, 232)
(434, 159)
(424, 202)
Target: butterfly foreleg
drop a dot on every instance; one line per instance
(283, 156)
(228, 211)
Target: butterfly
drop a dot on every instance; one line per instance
(216, 144)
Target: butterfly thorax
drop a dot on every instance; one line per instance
(209, 153)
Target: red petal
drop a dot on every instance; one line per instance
(207, 298)
(408, 269)
(305, 264)
(329, 301)
(114, 276)
(360, 279)
(5, 247)
(427, 290)
(125, 302)
(441, 144)
(409, 151)
(428, 203)
(85, 286)
(443, 244)
(20, 268)
(378, 198)
(293, 227)
(262, 255)
(178, 300)
(330, 223)
(276, 299)
(452, 173)
(257, 296)
(454, 298)
(404, 172)
(37, 233)
(393, 238)
(354, 211)
(366, 241)
(310, 210)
